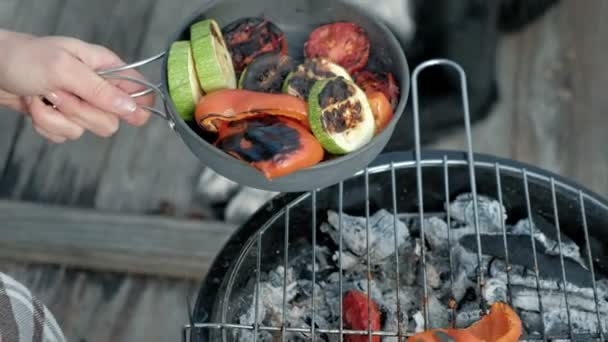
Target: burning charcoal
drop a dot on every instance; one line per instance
(556, 322)
(436, 233)
(433, 279)
(489, 212)
(546, 233)
(322, 253)
(468, 314)
(349, 261)
(526, 278)
(525, 297)
(520, 253)
(381, 233)
(409, 257)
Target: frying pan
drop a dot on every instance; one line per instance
(297, 18)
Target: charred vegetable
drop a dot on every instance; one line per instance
(299, 82)
(248, 38)
(267, 72)
(343, 43)
(212, 60)
(276, 146)
(340, 115)
(383, 82)
(237, 104)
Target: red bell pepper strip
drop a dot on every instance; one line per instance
(238, 104)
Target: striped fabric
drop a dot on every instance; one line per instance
(23, 318)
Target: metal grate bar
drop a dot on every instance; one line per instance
(369, 261)
(452, 303)
(533, 242)
(340, 212)
(591, 268)
(504, 233)
(397, 276)
(258, 272)
(561, 256)
(286, 266)
(314, 261)
(471, 166)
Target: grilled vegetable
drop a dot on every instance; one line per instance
(340, 115)
(248, 38)
(299, 82)
(237, 104)
(276, 146)
(184, 89)
(501, 325)
(267, 72)
(355, 313)
(343, 43)
(211, 57)
(384, 82)
(381, 108)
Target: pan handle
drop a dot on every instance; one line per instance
(150, 87)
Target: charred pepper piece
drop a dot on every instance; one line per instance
(250, 37)
(276, 146)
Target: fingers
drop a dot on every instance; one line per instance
(81, 113)
(90, 100)
(52, 137)
(52, 124)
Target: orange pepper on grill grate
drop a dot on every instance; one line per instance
(354, 310)
(502, 324)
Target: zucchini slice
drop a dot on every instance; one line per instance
(299, 82)
(340, 115)
(212, 59)
(267, 72)
(184, 89)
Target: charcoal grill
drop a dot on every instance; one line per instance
(417, 185)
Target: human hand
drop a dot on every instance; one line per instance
(63, 71)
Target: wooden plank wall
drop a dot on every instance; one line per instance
(109, 174)
(553, 108)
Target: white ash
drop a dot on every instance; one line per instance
(556, 322)
(526, 278)
(354, 233)
(489, 212)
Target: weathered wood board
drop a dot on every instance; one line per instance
(94, 240)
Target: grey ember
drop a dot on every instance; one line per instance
(451, 275)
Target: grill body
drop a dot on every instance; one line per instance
(236, 264)
(410, 185)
